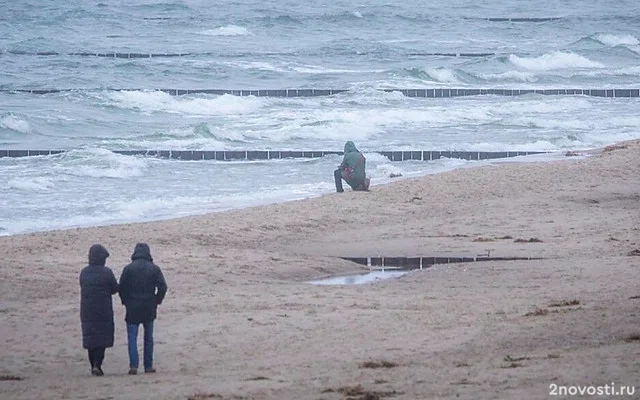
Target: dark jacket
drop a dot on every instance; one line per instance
(355, 160)
(142, 286)
(97, 285)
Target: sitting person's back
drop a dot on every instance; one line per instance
(352, 169)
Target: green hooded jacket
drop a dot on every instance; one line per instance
(354, 159)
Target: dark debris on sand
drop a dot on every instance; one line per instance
(10, 378)
(358, 392)
(378, 364)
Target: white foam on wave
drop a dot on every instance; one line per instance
(545, 106)
(353, 124)
(616, 40)
(521, 76)
(100, 163)
(15, 123)
(575, 124)
(386, 171)
(623, 71)
(299, 68)
(227, 30)
(443, 75)
(357, 14)
(259, 65)
(157, 101)
(553, 61)
(534, 145)
(31, 184)
(316, 69)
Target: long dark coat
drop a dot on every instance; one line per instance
(97, 285)
(142, 286)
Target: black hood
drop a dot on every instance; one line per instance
(98, 255)
(141, 251)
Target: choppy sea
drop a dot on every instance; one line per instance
(361, 46)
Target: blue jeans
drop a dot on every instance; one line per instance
(132, 335)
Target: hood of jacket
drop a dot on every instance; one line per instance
(350, 147)
(98, 255)
(141, 252)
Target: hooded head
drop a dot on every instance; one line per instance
(349, 147)
(141, 252)
(98, 255)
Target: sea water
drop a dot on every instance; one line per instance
(359, 46)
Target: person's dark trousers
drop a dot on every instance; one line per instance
(96, 356)
(132, 336)
(337, 176)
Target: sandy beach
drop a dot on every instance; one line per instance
(241, 321)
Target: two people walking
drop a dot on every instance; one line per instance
(142, 288)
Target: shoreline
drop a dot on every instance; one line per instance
(534, 158)
(241, 321)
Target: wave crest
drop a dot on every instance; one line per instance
(554, 60)
(616, 40)
(15, 123)
(31, 184)
(227, 30)
(157, 101)
(100, 163)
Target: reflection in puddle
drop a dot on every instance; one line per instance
(359, 279)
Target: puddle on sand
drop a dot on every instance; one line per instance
(359, 279)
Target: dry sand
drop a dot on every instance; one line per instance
(240, 321)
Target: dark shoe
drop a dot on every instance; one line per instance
(100, 373)
(95, 371)
(133, 371)
(149, 370)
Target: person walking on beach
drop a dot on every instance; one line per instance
(142, 289)
(97, 285)
(352, 170)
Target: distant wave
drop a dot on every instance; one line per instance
(280, 20)
(616, 40)
(100, 163)
(31, 184)
(156, 101)
(227, 30)
(300, 68)
(316, 69)
(623, 71)
(508, 76)
(177, 6)
(255, 65)
(343, 16)
(627, 41)
(554, 60)
(435, 74)
(15, 123)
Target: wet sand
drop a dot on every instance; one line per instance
(241, 321)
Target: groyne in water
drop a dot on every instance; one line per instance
(250, 155)
(426, 93)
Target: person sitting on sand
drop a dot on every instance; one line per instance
(352, 170)
(142, 289)
(97, 285)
